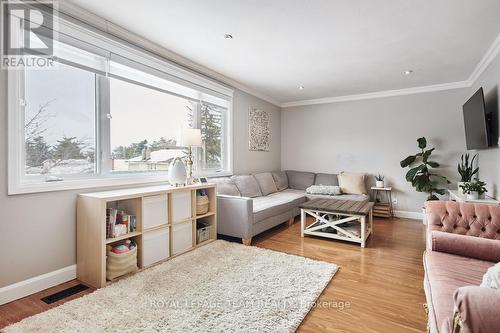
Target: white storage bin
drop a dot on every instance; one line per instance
(155, 246)
(181, 206)
(182, 237)
(154, 211)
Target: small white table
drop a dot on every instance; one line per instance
(383, 209)
(460, 197)
(333, 213)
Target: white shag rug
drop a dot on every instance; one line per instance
(220, 287)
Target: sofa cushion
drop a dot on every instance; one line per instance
(330, 179)
(352, 183)
(300, 180)
(247, 185)
(324, 189)
(225, 186)
(276, 203)
(266, 183)
(280, 179)
(444, 273)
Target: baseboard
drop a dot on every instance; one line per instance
(35, 284)
(408, 215)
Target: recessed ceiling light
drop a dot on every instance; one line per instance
(228, 36)
(408, 72)
(301, 87)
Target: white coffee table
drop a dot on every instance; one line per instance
(333, 213)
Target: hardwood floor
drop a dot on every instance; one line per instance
(377, 289)
(383, 282)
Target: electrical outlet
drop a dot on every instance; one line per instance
(394, 200)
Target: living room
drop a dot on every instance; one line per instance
(250, 166)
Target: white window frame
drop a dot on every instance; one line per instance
(17, 183)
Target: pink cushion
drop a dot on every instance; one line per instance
(467, 246)
(478, 309)
(470, 219)
(444, 273)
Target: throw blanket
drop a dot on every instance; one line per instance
(324, 189)
(491, 278)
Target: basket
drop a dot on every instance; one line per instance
(118, 264)
(202, 234)
(202, 205)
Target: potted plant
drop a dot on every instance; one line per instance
(474, 190)
(421, 176)
(379, 180)
(466, 170)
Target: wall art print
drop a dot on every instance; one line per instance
(259, 130)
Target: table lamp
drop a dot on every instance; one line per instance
(191, 137)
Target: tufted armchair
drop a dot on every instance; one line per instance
(463, 241)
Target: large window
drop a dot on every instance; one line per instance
(59, 122)
(145, 127)
(101, 118)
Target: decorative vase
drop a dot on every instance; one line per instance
(379, 183)
(177, 172)
(473, 195)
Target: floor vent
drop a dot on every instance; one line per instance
(64, 293)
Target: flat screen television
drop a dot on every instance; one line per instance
(476, 125)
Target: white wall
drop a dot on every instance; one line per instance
(489, 159)
(374, 135)
(246, 161)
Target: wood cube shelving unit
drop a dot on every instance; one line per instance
(166, 225)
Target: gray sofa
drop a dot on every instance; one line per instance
(250, 204)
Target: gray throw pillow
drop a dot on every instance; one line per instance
(247, 185)
(300, 180)
(266, 183)
(329, 179)
(225, 186)
(280, 179)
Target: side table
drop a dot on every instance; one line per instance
(382, 209)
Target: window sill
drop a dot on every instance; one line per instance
(77, 184)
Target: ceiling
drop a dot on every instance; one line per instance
(331, 47)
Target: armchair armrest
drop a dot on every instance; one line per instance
(466, 246)
(235, 216)
(477, 309)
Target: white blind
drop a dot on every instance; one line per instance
(122, 68)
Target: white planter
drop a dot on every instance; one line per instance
(379, 183)
(177, 172)
(459, 188)
(472, 196)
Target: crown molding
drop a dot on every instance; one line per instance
(120, 32)
(488, 57)
(380, 94)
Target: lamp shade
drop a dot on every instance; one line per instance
(191, 137)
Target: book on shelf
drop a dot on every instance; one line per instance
(110, 222)
(119, 223)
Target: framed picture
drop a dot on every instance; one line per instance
(259, 130)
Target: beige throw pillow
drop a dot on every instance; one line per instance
(352, 182)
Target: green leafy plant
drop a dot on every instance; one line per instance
(379, 177)
(475, 186)
(466, 169)
(420, 174)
